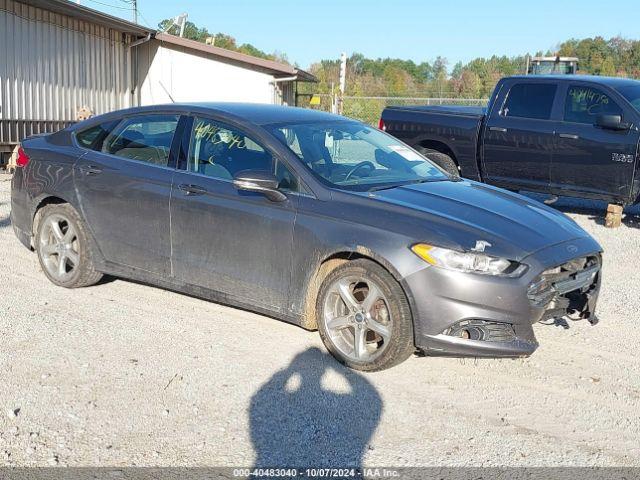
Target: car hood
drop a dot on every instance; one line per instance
(457, 214)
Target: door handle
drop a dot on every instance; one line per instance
(192, 189)
(90, 170)
(568, 135)
(498, 129)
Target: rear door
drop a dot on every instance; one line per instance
(234, 242)
(588, 159)
(519, 136)
(124, 186)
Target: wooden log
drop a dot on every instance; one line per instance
(614, 216)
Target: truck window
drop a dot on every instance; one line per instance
(584, 104)
(631, 93)
(530, 100)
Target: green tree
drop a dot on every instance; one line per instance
(222, 40)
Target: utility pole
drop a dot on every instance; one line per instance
(134, 6)
(343, 81)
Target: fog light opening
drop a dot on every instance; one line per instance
(473, 333)
(481, 330)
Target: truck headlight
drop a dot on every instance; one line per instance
(474, 262)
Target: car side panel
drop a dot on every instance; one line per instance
(20, 217)
(49, 173)
(126, 206)
(323, 230)
(233, 242)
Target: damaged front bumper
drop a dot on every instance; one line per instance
(569, 290)
(467, 315)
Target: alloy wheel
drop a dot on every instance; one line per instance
(357, 319)
(59, 247)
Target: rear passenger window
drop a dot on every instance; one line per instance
(145, 138)
(530, 100)
(584, 104)
(94, 137)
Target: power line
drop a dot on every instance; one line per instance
(133, 8)
(144, 19)
(110, 5)
(134, 5)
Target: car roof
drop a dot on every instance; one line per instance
(255, 113)
(609, 81)
(263, 114)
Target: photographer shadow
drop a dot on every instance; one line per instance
(297, 422)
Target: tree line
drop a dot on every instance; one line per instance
(396, 77)
(616, 56)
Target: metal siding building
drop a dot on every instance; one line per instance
(52, 64)
(57, 57)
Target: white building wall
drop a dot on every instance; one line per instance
(168, 73)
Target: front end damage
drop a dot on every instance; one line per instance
(490, 317)
(568, 291)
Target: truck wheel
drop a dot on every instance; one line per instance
(443, 160)
(364, 317)
(63, 248)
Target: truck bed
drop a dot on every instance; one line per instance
(431, 126)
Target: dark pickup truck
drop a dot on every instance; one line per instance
(563, 135)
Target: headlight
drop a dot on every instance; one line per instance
(467, 261)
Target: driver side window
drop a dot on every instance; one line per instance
(584, 104)
(219, 151)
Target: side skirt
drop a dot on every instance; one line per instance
(146, 278)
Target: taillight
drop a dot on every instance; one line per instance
(23, 158)
(381, 125)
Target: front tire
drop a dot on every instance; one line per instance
(364, 318)
(63, 247)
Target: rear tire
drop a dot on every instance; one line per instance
(443, 160)
(364, 318)
(63, 247)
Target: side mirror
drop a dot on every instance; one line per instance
(259, 181)
(611, 122)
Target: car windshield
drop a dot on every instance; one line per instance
(354, 156)
(632, 94)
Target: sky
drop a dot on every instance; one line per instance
(460, 30)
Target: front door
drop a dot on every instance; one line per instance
(233, 242)
(590, 159)
(519, 138)
(124, 185)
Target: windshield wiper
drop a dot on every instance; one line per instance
(385, 187)
(394, 185)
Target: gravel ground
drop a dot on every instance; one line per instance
(126, 374)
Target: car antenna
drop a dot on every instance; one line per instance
(167, 92)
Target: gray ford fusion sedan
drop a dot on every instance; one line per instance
(308, 217)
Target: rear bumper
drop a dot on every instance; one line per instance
(21, 220)
(448, 305)
(24, 237)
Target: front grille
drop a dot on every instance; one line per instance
(564, 289)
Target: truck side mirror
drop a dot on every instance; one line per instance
(611, 122)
